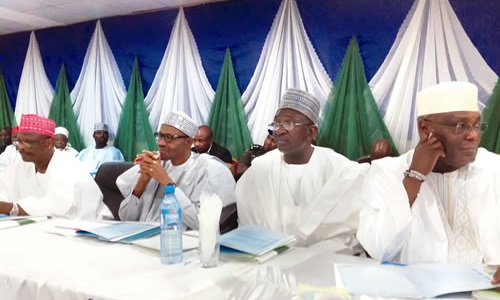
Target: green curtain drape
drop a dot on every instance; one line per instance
(7, 117)
(491, 115)
(134, 130)
(61, 111)
(351, 121)
(227, 117)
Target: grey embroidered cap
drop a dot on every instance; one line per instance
(182, 122)
(100, 126)
(302, 102)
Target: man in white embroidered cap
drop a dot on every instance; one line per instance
(301, 189)
(94, 156)
(440, 201)
(193, 174)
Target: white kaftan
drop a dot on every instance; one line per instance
(93, 157)
(454, 217)
(10, 155)
(321, 209)
(65, 189)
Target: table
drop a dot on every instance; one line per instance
(35, 264)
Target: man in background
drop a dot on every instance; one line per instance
(47, 182)
(6, 136)
(94, 156)
(11, 154)
(61, 141)
(301, 189)
(203, 143)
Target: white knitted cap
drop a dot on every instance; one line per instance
(181, 121)
(447, 97)
(63, 131)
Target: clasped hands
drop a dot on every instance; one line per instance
(151, 167)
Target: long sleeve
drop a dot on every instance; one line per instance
(213, 177)
(131, 207)
(386, 216)
(65, 190)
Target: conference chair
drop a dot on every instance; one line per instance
(106, 180)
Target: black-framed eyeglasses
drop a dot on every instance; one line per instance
(168, 137)
(462, 128)
(288, 125)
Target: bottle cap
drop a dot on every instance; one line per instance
(169, 188)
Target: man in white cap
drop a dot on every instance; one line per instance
(440, 201)
(94, 156)
(301, 189)
(47, 182)
(193, 174)
(61, 143)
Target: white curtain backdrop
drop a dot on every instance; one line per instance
(180, 83)
(35, 93)
(431, 47)
(288, 60)
(99, 91)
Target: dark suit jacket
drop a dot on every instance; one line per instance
(220, 152)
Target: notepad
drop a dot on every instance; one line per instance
(411, 281)
(255, 243)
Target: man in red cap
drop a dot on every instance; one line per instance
(46, 182)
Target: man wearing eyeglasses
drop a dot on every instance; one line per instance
(301, 189)
(47, 182)
(193, 174)
(440, 201)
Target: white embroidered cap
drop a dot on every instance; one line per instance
(302, 102)
(63, 131)
(182, 122)
(447, 97)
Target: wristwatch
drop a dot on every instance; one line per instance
(14, 211)
(415, 174)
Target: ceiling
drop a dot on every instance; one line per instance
(27, 15)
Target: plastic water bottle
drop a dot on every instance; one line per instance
(171, 228)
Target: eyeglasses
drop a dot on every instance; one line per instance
(462, 128)
(27, 144)
(168, 137)
(288, 125)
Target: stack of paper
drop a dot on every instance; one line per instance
(410, 281)
(255, 242)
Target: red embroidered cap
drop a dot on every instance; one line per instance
(15, 130)
(37, 124)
